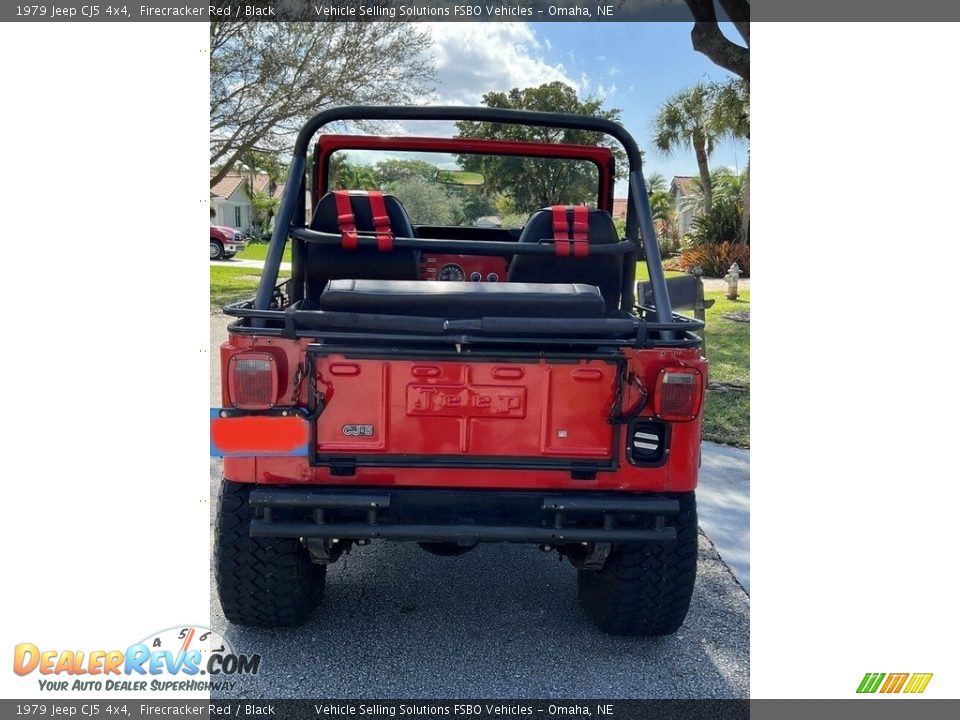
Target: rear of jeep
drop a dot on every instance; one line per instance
(459, 384)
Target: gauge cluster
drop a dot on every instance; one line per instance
(463, 268)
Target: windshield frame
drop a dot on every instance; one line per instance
(602, 157)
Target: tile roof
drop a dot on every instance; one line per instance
(226, 186)
(231, 181)
(684, 183)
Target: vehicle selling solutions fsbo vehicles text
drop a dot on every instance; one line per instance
(463, 11)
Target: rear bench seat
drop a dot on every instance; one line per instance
(463, 300)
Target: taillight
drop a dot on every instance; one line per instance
(678, 394)
(253, 381)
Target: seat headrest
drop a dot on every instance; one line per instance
(325, 214)
(542, 225)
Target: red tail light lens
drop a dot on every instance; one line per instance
(678, 394)
(253, 381)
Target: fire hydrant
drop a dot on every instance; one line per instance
(732, 278)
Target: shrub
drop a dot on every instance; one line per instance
(667, 242)
(715, 260)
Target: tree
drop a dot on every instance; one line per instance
(537, 182)
(724, 221)
(707, 38)
(733, 114)
(700, 117)
(656, 182)
(426, 202)
(266, 79)
(344, 176)
(265, 206)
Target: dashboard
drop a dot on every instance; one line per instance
(462, 268)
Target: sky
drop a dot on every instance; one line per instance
(632, 66)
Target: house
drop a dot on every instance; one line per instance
(230, 203)
(619, 208)
(680, 187)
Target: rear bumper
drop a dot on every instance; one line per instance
(465, 516)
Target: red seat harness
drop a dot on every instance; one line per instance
(348, 222)
(571, 236)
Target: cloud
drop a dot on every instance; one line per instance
(605, 92)
(477, 58)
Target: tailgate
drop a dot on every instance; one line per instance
(538, 410)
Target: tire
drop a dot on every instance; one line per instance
(645, 588)
(266, 582)
(216, 250)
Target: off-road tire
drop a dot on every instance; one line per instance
(267, 582)
(645, 588)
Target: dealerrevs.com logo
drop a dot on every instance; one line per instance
(182, 659)
(910, 683)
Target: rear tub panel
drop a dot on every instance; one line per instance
(477, 409)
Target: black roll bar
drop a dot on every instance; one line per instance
(639, 219)
(458, 247)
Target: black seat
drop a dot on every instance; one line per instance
(604, 272)
(425, 298)
(329, 262)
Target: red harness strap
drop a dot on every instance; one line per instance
(577, 232)
(381, 221)
(346, 220)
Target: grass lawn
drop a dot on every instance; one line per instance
(727, 414)
(643, 275)
(258, 251)
(229, 284)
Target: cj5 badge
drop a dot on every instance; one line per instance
(358, 430)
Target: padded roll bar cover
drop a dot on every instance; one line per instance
(458, 300)
(328, 262)
(604, 272)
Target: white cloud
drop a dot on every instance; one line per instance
(605, 92)
(477, 58)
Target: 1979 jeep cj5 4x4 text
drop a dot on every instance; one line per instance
(458, 384)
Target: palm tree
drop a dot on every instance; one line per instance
(352, 177)
(685, 120)
(656, 182)
(732, 104)
(700, 117)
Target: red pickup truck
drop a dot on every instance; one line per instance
(225, 242)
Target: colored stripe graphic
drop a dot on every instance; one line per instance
(894, 682)
(870, 682)
(918, 682)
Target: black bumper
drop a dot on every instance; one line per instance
(464, 516)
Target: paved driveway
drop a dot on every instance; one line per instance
(499, 622)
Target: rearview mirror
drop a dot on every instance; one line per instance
(459, 177)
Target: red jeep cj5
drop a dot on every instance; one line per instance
(429, 375)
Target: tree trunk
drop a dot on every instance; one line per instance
(700, 147)
(708, 39)
(745, 222)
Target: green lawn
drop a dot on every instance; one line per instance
(727, 415)
(229, 284)
(258, 251)
(643, 275)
